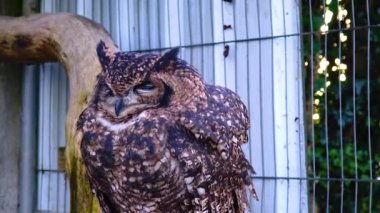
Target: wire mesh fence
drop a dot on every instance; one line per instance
(254, 48)
(341, 46)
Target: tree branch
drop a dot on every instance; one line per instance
(67, 38)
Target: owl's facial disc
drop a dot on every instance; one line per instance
(121, 106)
(133, 100)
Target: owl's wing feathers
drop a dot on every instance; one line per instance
(223, 124)
(223, 120)
(213, 184)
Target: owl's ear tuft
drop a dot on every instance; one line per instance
(105, 54)
(164, 60)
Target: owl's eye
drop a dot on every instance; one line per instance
(145, 87)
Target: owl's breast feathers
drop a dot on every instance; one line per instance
(167, 160)
(131, 168)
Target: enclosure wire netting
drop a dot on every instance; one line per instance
(341, 49)
(342, 81)
(198, 46)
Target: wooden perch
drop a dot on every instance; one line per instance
(70, 40)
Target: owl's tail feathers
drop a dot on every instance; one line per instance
(249, 182)
(252, 189)
(241, 203)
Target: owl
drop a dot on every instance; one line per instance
(157, 138)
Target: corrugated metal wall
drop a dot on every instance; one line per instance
(53, 190)
(251, 47)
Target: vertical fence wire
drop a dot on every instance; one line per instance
(201, 65)
(288, 193)
(326, 125)
(354, 102)
(304, 197)
(247, 65)
(261, 108)
(311, 65)
(40, 155)
(340, 121)
(369, 101)
(49, 164)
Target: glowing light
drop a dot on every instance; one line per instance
(328, 16)
(319, 93)
(334, 68)
(306, 63)
(324, 63)
(324, 28)
(348, 21)
(315, 116)
(328, 2)
(337, 61)
(328, 83)
(316, 101)
(342, 66)
(320, 71)
(342, 37)
(342, 13)
(342, 77)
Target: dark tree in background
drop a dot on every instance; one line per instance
(342, 69)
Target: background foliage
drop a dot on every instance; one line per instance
(338, 146)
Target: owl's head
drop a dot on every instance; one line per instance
(133, 82)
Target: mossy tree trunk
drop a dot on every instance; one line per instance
(70, 40)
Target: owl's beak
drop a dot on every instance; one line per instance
(118, 105)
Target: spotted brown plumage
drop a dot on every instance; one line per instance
(156, 138)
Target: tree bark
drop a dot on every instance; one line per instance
(70, 40)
